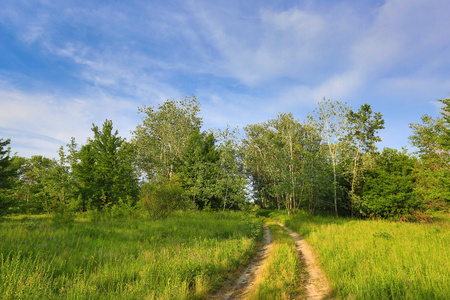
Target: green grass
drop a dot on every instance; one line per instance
(376, 259)
(185, 256)
(282, 275)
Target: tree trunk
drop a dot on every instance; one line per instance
(335, 191)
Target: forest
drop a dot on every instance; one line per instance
(327, 163)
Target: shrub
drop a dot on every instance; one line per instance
(63, 215)
(388, 190)
(162, 197)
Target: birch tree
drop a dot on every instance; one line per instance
(432, 138)
(161, 138)
(363, 129)
(232, 180)
(331, 119)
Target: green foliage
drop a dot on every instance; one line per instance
(362, 135)
(199, 168)
(444, 139)
(274, 155)
(103, 171)
(388, 190)
(331, 120)
(8, 176)
(433, 177)
(319, 165)
(163, 135)
(63, 216)
(38, 190)
(161, 198)
(433, 185)
(122, 210)
(428, 137)
(231, 184)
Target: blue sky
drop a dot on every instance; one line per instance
(67, 64)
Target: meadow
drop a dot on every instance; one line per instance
(186, 256)
(378, 259)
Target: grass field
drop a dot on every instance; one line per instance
(185, 256)
(375, 259)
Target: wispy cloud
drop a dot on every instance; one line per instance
(246, 61)
(54, 119)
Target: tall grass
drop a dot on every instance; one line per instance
(183, 257)
(282, 275)
(376, 259)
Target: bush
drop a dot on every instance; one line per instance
(388, 190)
(63, 215)
(162, 197)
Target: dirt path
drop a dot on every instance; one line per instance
(246, 281)
(317, 285)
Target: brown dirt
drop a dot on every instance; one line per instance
(317, 285)
(246, 281)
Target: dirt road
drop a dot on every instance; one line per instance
(317, 285)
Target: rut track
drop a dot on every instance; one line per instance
(317, 285)
(246, 280)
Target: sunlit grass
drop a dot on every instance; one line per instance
(376, 259)
(185, 256)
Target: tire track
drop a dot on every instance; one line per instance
(317, 285)
(246, 280)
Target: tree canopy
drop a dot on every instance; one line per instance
(328, 163)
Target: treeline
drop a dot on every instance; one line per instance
(328, 162)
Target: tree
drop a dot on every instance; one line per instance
(232, 180)
(433, 143)
(288, 134)
(256, 157)
(273, 156)
(444, 139)
(429, 137)
(5, 163)
(316, 186)
(163, 135)
(363, 129)
(162, 197)
(199, 167)
(388, 190)
(332, 123)
(104, 173)
(8, 174)
(37, 180)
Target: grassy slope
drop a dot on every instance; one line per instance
(379, 259)
(187, 255)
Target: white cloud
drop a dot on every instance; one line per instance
(404, 37)
(245, 61)
(48, 121)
